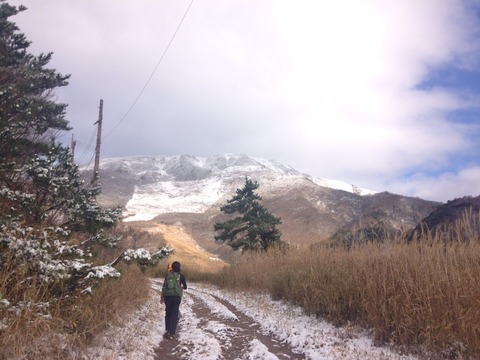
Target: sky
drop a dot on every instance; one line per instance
(382, 94)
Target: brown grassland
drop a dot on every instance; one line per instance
(193, 258)
(423, 297)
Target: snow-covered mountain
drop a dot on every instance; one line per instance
(190, 190)
(189, 184)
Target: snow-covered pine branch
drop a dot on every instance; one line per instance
(142, 256)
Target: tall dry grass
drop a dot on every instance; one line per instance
(419, 295)
(54, 330)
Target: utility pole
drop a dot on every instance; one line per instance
(96, 167)
(74, 142)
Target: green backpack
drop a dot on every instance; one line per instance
(172, 285)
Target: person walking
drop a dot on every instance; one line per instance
(172, 291)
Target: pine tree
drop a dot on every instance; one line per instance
(49, 217)
(254, 228)
(29, 118)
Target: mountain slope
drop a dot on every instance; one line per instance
(189, 191)
(458, 219)
(148, 186)
(384, 215)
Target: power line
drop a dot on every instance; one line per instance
(153, 72)
(87, 147)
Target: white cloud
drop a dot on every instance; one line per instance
(445, 187)
(329, 87)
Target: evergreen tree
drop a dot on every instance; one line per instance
(254, 228)
(29, 118)
(49, 218)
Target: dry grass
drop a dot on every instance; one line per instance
(111, 301)
(61, 330)
(194, 259)
(416, 295)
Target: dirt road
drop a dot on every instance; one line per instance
(211, 328)
(225, 325)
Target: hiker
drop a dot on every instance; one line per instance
(172, 291)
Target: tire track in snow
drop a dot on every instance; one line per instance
(212, 328)
(260, 345)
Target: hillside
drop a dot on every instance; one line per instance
(188, 191)
(455, 220)
(187, 250)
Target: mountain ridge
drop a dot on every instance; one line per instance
(189, 190)
(185, 168)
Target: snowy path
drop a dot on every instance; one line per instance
(212, 328)
(220, 325)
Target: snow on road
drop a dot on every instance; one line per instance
(226, 325)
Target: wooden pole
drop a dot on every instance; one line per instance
(96, 167)
(74, 142)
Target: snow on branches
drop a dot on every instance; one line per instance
(49, 217)
(142, 256)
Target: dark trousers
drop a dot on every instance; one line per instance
(172, 304)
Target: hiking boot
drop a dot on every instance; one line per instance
(166, 335)
(171, 336)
